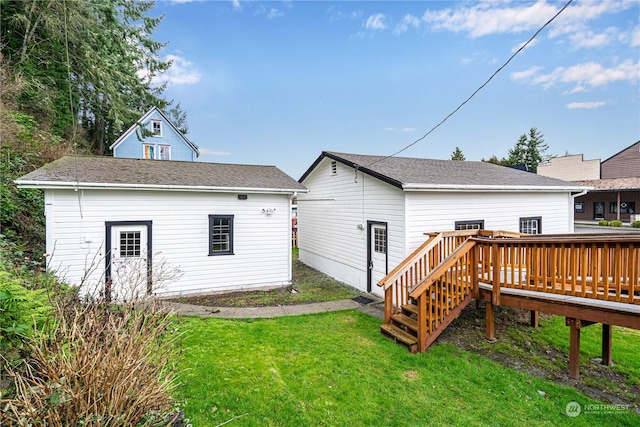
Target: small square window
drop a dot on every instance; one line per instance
(156, 127)
(469, 225)
(129, 244)
(578, 207)
(531, 225)
(220, 234)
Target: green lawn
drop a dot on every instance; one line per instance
(336, 369)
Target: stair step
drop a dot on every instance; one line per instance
(398, 334)
(410, 309)
(404, 320)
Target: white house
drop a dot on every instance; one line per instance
(155, 137)
(364, 214)
(167, 227)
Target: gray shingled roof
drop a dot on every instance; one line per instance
(613, 184)
(115, 172)
(405, 172)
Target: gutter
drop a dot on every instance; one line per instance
(46, 185)
(480, 188)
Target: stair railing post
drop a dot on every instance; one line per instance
(422, 322)
(495, 265)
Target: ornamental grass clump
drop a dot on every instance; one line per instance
(99, 365)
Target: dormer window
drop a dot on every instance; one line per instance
(156, 127)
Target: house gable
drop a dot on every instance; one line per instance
(160, 141)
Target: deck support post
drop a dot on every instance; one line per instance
(574, 347)
(388, 304)
(534, 318)
(490, 320)
(606, 345)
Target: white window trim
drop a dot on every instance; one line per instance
(159, 134)
(153, 157)
(165, 147)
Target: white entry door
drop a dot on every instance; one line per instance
(378, 254)
(129, 270)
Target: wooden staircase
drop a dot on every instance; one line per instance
(427, 291)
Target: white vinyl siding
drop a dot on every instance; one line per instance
(438, 211)
(332, 221)
(180, 237)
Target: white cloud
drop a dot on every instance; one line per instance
(635, 37)
(236, 5)
(582, 76)
(587, 104)
(336, 14)
(588, 39)
(495, 17)
(274, 13)
(400, 130)
(526, 74)
(376, 22)
(181, 72)
(408, 20)
(490, 18)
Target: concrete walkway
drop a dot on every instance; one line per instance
(374, 308)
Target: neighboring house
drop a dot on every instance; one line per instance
(571, 168)
(169, 227)
(364, 214)
(160, 140)
(616, 195)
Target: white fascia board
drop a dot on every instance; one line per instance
(492, 188)
(46, 185)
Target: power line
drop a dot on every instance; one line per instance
(477, 90)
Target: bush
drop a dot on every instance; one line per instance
(636, 224)
(99, 365)
(603, 222)
(615, 223)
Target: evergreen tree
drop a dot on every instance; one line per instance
(457, 154)
(529, 150)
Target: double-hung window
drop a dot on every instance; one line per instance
(531, 225)
(220, 234)
(156, 127)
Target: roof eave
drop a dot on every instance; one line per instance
(48, 185)
(498, 188)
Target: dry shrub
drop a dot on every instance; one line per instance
(100, 366)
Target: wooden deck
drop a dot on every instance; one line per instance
(586, 278)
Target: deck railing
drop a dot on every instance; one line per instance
(591, 266)
(447, 268)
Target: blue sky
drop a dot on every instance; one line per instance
(278, 82)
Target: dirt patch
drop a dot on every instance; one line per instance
(515, 349)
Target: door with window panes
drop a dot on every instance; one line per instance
(129, 270)
(377, 254)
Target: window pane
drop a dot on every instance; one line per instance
(129, 244)
(221, 234)
(380, 240)
(530, 225)
(469, 225)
